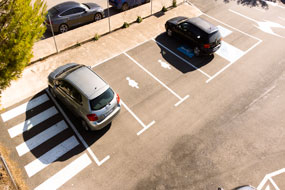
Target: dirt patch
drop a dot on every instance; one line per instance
(5, 181)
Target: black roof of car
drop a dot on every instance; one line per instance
(203, 24)
(66, 5)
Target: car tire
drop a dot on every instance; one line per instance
(197, 51)
(98, 16)
(169, 32)
(63, 28)
(125, 7)
(84, 125)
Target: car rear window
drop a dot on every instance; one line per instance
(53, 12)
(102, 100)
(214, 36)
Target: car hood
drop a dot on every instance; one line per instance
(176, 20)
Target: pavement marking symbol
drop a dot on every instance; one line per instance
(99, 163)
(187, 51)
(30, 123)
(66, 173)
(132, 82)
(145, 127)
(268, 177)
(52, 155)
(40, 138)
(163, 64)
(265, 26)
(170, 90)
(24, 107)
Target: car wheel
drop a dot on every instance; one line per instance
(84, 125)
(98, 16)
(169, 32)
(197, 51)
(63, 28)
(125, 7)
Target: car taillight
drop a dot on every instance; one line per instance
(207, 46)
(118, 99)
(92, 117)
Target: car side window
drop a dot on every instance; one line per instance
(63, 85)
(195, 31)
(69, 12)
(78, 10)
(76, 95)
(70, 90)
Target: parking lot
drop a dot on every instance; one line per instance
(174, 106)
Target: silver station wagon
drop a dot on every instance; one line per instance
(86, 94)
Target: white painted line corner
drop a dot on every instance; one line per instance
(145, 128)
(182, 100)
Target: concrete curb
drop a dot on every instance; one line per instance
(8, 171)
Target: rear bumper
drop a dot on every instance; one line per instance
(94, 126)
(210, 51)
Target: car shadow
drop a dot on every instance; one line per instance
(184, 49)
(49, 137)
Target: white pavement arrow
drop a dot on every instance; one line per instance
(164, 64)
(132, 82)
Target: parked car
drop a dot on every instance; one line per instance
(85, 94)
(71, 14)
(204, 36)
(126, 4)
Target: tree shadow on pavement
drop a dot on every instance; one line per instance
(253, 3)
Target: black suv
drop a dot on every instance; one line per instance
(205, 37)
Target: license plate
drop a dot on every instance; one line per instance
(108, 112)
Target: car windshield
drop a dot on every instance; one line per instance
(53, 12)
(214, 36)
(102, 100)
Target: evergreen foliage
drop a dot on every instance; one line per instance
(21, 25)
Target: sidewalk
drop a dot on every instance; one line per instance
(34, 77)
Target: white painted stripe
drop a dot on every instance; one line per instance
(66, 173)
(229, 52)
(99, 163)
(50, 156)
(28, 124)
(224, 31)
(277, 172)
(138, 120)
(24, 107)
(154, 77)
(41, 138)
(274, 184)
(184, 60)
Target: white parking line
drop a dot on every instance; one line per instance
(52, 155)
(184, 60)
(40, 138)
(149, 73)
(145, 127)
(24, 107)
(29, 123)
(99, 163)
(66, 173)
